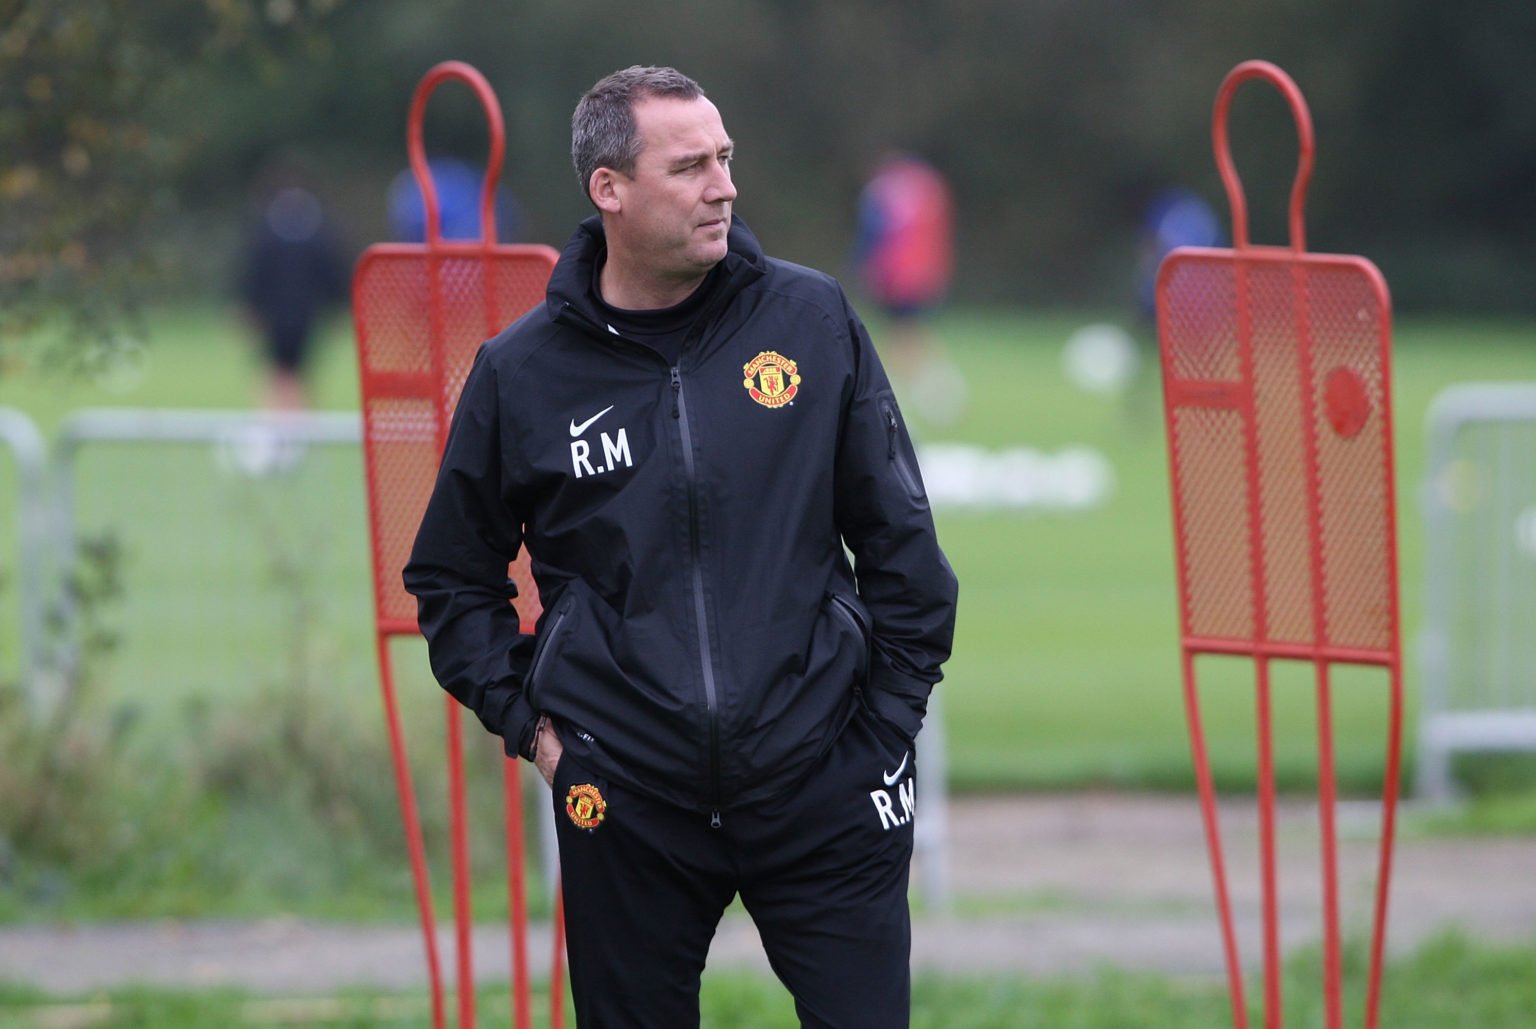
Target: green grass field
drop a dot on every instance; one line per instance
(1065, 670)
(1449, 983)
(245, 685)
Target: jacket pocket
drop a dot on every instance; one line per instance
(899, 451)
(888, 712)
(851, 613)
(548, 645)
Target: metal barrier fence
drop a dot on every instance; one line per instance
(211, 505)
(20, 436)
(206, 508)
(1478, 647)
(243, 549)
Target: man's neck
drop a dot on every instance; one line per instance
(639, 292)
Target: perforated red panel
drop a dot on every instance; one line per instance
(402, 453)
(1257, 346)
(421, 315)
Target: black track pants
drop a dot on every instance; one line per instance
(823, 872)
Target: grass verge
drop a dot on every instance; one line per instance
(1448, 982)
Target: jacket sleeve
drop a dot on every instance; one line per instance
(457, 570)
(882, 510)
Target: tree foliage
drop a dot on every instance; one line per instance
(87, 170)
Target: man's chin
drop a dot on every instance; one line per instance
(710, 254)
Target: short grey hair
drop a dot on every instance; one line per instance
(603, 124)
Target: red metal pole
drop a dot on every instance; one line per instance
(1259, 593)
(412, 822)
(472, 78)
(1395, 684)
(511, 777)
(1210, 816)
(557, 963)
(1208, 810)
(1327, 798)
(1327, 787)
(459, 830)
(1304, 161)
(1388, 828)
(1267, 864)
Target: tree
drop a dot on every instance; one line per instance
(86, 173)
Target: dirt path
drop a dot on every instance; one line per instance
(1042, 884)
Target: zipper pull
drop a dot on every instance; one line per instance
(714, 819)
(677, 388)
(891, 429)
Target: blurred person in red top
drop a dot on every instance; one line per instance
(904, 252)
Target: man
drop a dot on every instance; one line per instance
(686, 436)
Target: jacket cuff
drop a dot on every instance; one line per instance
(507, 713)
(519, 729)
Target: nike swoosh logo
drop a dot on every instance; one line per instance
(890, 780)
(577, 430)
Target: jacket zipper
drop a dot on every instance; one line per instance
(701, 614)
(897, 458)
(542, 656)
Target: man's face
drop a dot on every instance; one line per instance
(675, 210)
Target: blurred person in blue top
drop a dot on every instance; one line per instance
(1176, 217)
(459, 186)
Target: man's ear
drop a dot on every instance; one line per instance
(603, 188)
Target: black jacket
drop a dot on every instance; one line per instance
(704, 638)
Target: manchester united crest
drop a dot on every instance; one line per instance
(771, 379)
(585, 806)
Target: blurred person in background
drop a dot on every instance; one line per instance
(691, 438)
(904, 253)
(459, 186)
(292, 273)
(1174, 217)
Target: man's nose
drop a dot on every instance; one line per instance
(721, 188)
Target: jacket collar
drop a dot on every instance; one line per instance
(570, 285)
